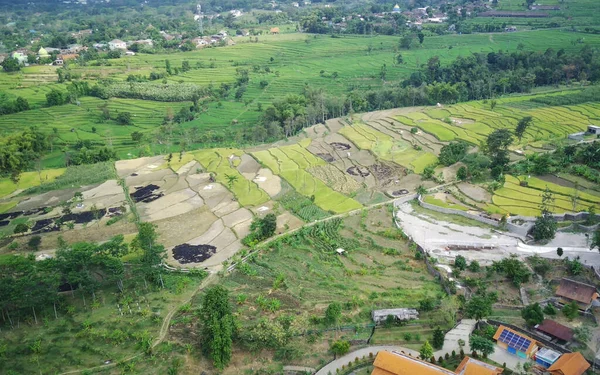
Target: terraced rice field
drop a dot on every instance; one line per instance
(388, 148)
(218, 162)
(28, 180)
(521, 200)
(291, 163)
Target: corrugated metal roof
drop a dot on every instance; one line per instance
(556, 329)
(569, 364)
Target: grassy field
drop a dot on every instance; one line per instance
(297, 60)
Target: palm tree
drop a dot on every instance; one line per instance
(231, 180)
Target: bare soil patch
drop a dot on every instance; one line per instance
(326, 156)
(474, 192)
(138, 166)
(183, 228)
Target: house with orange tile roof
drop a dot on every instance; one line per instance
(569, 364)
(395, 363)
(515, 342)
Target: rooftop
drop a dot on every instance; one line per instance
(555, 329)
(547, 355)
(470, 366)
(576, 291)
(514, 339)
(569, 364)
(394, 363)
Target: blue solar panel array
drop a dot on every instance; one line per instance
(514, 340)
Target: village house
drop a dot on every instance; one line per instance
(274, 30)
(142, 42)
(81, 33)
(581, 293)
(396, 363)
(569, 364)
(43, 53)
(200, 42)
(593, 129)
(546, 357)
(117, 44)
(60, 59)
(401, 314)
(20, 55)
(555, 331)
(515, 343)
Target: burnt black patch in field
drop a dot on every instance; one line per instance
(116, 211)
(83, 217)
(340, 146)
(327, 157)
(4, 223)
(186, 253)
(41, 224)
(34, 211)
(397, 193)
(146, 194)
(358, 171)
(10, 215)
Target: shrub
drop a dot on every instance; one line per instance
(34, 242)
(21, 228)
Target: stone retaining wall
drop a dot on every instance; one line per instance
(521, 230)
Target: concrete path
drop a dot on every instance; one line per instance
(330, 368)
(461, 331)
(501, 356)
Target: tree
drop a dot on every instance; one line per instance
(571, 310)
(218, 326)
(55, 97)
(333, 313)
(533, 314)
(549, 310)
(168, 67)
(460, 262)
(453, 152)
(559, 251)
(497, 147)
(399, 59)
(34, 242)
(152, 253)
(124, 118)
(438, 338)
(596, 240)
(462, 173)
(479, 307)
(137, 136)
(474, 266)
(522, 126)
(545, 225)
(21, 228)
(11, 65)
(481, 344)
(406, 41)
(426, 351)
(421, 37)
(340, 347)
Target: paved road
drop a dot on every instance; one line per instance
(330, 368)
